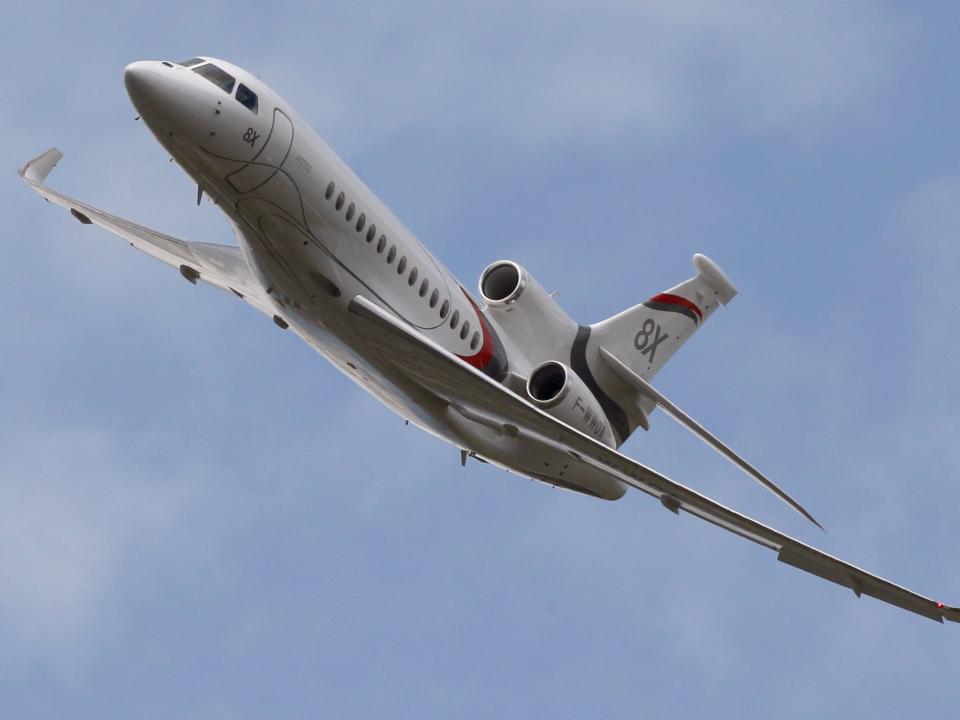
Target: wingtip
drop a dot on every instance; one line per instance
(790, 501)
(810, 517)
(949, 613)
(36, 170)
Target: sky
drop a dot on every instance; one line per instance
(200, 518)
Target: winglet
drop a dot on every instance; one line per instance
(35, 171)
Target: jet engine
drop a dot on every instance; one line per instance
(559, 391)
(526, 313)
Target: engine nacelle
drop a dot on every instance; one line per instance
(559, 391)
(526, 313)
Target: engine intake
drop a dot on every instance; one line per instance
(539, 328)
(559, 391)
(547, 383)
(502, 282)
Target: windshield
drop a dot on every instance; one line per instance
(218, 77)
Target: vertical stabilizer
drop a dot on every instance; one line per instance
(644, 337)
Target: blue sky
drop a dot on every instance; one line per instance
(200, 518)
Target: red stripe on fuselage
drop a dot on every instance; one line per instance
(485, 353)
(677, 300)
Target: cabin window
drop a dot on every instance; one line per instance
(381, 244)
(350, 211)
(464, 331)
(392, 255)
(444, 309)
(361, 221)
(424, 286)
(247, 98)
(340, 201)
(413, 277)
(475, 341)
(434, 297)
(330, 188)
(455, 319)
(402, 265)
(371, 232)
(224, 81)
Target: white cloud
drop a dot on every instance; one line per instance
(925, 240)
(73, 513)
(558, 73)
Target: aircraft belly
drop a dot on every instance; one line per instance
(394, 389)
(523, 455)
(530, 456)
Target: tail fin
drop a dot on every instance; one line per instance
(644, 337)
(647, 335)
(623, 359)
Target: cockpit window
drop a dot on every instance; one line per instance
(247, 97)
(191, 62)
(218, 77)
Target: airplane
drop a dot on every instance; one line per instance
(512, 380)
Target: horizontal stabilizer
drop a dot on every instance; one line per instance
(648, 391)
(645, 337)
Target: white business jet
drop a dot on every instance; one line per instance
(514, 382)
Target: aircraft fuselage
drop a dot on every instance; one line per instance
(316, 236)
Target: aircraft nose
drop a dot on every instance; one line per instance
(167, 102)
(135, 76)
(145, 85)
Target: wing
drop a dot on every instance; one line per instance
(220, 265)
(450, 378)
